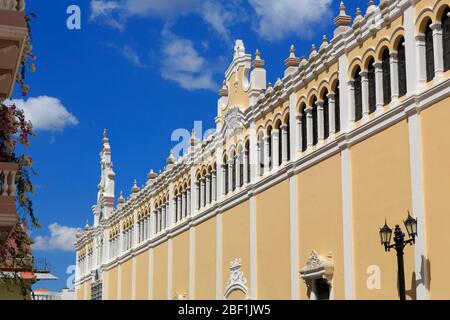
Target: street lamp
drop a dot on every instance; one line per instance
(399, 244)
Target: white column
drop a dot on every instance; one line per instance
(166, 219)
(364, 93)
(253, 152)
(352, 103)
(207, 189)
(347, 222)
(320, 120)
(238, 170)
(438, 50)
(293, 126)
(214, 185)
(224, 180)
(188, 201)
(230, 174)
(266, 154)
(275, 152)
(299, 132)
(284, 143)
(219, 173)
(171, 211)
(413, 64)
(309, 127)
(331, 113)
(197, 195)
(379, 94)
(293, 219)
(393, 63)
(244, 167)
(421, 60)
(179, 213)
(202, 190)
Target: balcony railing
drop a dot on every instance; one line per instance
(12, 5)
(8, 213)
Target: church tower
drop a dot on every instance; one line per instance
(105, 195)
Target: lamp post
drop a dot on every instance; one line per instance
(399, 244)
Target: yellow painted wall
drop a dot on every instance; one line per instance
(160, 272)
(236, 240)
(320, 218)
(237, 96)
(80, 292)
(273, 242)
(381, 187)
(111, 277)
(142, 276)
(180, 266)
(126, 279)
(87, 290)
(436, 160)
(205, 260)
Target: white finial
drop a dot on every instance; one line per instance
(258, 62)
(292, 60)
(135, 188)
(239, 49)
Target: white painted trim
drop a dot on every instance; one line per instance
(418, 210)
(253, 252)
(294, 237)
(192, 263)
(347, 223)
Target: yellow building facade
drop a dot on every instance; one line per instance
(285, 199)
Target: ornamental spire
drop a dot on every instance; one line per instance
(342, 21)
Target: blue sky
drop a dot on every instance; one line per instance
(141, 69)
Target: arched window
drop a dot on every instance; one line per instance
(288, 136)
(304, 131)
(429, 52)
(326, 126)
(358, 95)
(337, 109)
(401, 63)
(386, 68)
(372, 86)
(314, 118)
(446, 38)
(233, 177)
(241, 169)
(269, 138)
(247, 156)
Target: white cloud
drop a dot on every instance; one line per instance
(46, 113)
(184, 65)
(61, 238)
(278, 19)
(217, 15)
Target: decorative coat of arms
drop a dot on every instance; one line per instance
(233, 122)
(237, 280)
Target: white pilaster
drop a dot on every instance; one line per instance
(150, 274)
(364, 93)
(275, 145)
(331, 113)
(266, 154)
(309, 127)
(169, 269)
(294, 127)
(420, 61)
(438, 51)
(219, 295)
(347, 222)
(414, 64)
(320, 121)
(418, 211)
(393, 63)
(284, 143)
(379, 94)
(207, 188)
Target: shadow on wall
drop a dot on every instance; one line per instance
(425, 278)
